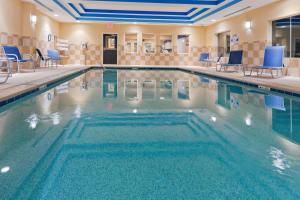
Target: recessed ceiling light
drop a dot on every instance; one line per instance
(55, 15)
(213, 20)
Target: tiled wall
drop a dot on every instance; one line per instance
(89, 56)
(253, 53)
(93, 55)
(27, 45)
(174, 59)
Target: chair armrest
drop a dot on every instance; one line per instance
(13, 59)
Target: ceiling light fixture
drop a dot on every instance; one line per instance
(33, 19)
(55, 15)
(248, 25)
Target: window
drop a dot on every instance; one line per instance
(295, 41)
(131, 42)
(224, 43)
(281, 30)
(183, 44)
(286, 32)
(148, 43)
(166, 44)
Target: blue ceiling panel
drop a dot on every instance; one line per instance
(89, 10)
(193, 2)
(191, 13)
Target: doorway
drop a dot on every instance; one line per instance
(224, 43)
(110, 49)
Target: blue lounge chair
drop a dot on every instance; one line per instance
(13, 54)
(54, 56)
(204, 58)
(273, 60)
(235, 60)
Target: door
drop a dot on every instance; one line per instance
(110, 49)
(224, 43)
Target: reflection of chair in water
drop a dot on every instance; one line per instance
(110, 83)
(285, 117)
(204, 80)
(236, 89)
(274, 102)
(223, 97)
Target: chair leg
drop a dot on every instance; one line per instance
(18, 66)
(272, 73)
(33, 66)
(6, 78)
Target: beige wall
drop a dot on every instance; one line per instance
(15, 19)
(261, 22)
(10, 16)
(44, 26)
(92, 32)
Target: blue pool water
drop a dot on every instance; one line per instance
(134, 134)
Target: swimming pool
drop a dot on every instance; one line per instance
(150, 134)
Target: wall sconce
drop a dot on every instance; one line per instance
(248, 25)
(33, 19)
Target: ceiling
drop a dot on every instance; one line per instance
(187, 12)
